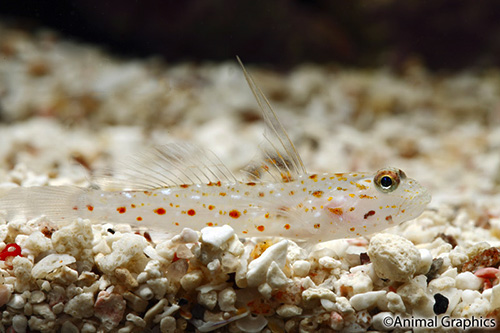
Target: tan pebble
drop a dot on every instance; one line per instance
(16, 302)
(393, 257)
(156, 309)
(80, 306)
(318, 293)
(144, 292)
(58, 308)
(19, 323)
(227, 298)
(37, 296)
(275, 276)
(69, 327)
(28, 309)
(192, 280)
(88, 328)
(44, 310)
(301, 268)
(289, 310)
(208, 299)
(135, 302)
(367, 300)
(265, 290)
(168, 324)
(136, 320)
(123, 275)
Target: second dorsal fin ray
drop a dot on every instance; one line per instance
(280, 159)
(173, 164)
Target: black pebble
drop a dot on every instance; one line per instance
(111, 231)
(441, 304)
(198, 311)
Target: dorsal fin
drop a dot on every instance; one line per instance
(173, 164)
(279, 159)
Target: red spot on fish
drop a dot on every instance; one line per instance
(234, 214)
(176, 223)
(210, 224)
(352, 229)
(313, 176)
(251, 184)
(260, 228)
(222, 194)
(132, 205)
(261, 194)
(160, 211)
(287, 226)
(211, 207)
(191, 212)
(147, 193)
(139, 218)
(90, 208)
(370, 213)
(75, 207)
(317, 225)
(184, 185)
(121, 210)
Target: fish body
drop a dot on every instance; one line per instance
(180, 186)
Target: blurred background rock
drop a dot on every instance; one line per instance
(441, 34)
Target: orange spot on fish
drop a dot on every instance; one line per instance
(316, 226)
(336, 211)
(121, 210)
(132, 205)
(251, 184)
(234, 214)
(352, 229)
(191, 212)
(90, 208)
(75, 207)
(317, 194)
(211, 207)
(176, 223)
(292, 192)
(364, 196)
(313, 176)
(210, 224)
(260, 228)
(184, 185)
(266, 216)
(139, 218)
(160, 211)
(147, 193)
(287, 226)
(222, 194)
(261, 194)
(351, 209)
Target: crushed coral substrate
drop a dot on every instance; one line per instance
(68, 110)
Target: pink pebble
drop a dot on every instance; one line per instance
(109, 308)
(5, 294)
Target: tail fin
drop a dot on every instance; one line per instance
(55, 202)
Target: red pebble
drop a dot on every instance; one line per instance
(488, 273)
(11, 250)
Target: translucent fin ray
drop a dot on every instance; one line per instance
(280, 158)
(173, 164)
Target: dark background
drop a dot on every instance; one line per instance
(440, 34)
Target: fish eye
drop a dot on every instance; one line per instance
(387, 180)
